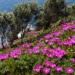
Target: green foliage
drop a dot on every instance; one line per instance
(72, 10)
(23, 13)
(53, 11)
(35, 8)
(18, 19)
(25, 63)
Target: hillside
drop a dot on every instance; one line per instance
(45, 52)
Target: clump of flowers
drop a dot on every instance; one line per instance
(37, 69)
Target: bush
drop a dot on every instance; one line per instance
(33, 57)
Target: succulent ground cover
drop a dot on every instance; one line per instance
(42, 53)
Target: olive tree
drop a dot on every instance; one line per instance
(23, 13)
(53, 11)
(3, 25)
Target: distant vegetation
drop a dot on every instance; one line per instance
(17, 19)
(54, 11)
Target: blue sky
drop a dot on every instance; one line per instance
(9, 4)
(70, 1)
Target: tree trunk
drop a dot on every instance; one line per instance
(2, 38)
(24, 30)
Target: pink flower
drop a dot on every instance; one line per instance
(68, 38)
(73, 37)
(58, 49)
(15, 56)
(36, 69)
(50, 43)
(52, 65)
(47, 63)
(74, 30)
(18, 52)
(59, 43)
(72, 60)
(57, 33)
(40, 44)
(30, 44)
(40, 39)
(69, 70)
(46, 70)
(72, 22)
(36, 51)
(73, 26)
(45, 49)
(37, 47)
(63, 25)
(58, 68)
(72, 41)
(65, 42)
(63, 51)
(48, 36)
(65, 28)
(50, 50)
(46, 41)
(40, 66)
(68, 23)
(50, 55)
(36, 32)
(59, 55)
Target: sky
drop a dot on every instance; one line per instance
(9, 4)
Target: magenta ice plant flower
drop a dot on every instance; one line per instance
(63, 52)
(40, 66)
(36, 51)
(36, 69)
(52, 65)
(46, 70)
(74, 30)
(15, 56)
(47, 63)
(46, 41)
(72, 41)
(58, 48)
(48, 36)
(50, 55)
(40, 39)
(57, 33)
(59, 55)
(69, 70)
(58, 68)
(50, 50)
(72, 60)
(68, 38)
(50, 43)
